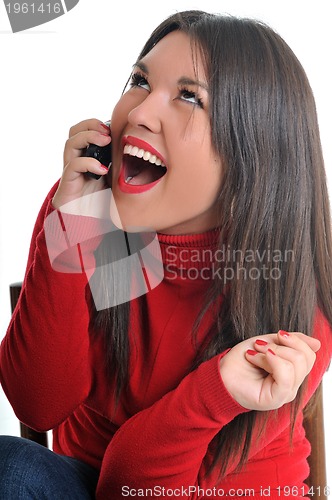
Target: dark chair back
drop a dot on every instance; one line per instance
(26, 432)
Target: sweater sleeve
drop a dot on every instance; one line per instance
(47, 341)
(164, 446)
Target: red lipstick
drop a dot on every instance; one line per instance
(127, 187)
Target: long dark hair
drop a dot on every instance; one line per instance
(273, 200)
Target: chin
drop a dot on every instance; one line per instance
(131, 223)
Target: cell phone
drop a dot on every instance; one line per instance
(101, 153)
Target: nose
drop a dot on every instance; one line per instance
(147, 114)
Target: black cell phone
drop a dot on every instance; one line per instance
(102, 154)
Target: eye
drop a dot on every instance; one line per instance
(191, 97)
(138, 80)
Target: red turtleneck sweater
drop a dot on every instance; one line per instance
(157, 442)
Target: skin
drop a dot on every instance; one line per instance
(158, 112)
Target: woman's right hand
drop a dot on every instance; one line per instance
(74, 184)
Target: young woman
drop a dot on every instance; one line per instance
(194, 389)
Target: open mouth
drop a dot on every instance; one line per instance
(141, 167)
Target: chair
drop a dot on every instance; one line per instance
(26, 432)
(314, 428)
(313, 423)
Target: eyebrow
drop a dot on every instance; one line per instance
(184, 80)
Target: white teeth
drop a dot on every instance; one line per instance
(141, 153)
(128, 179)
(146, 156)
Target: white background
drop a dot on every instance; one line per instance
(73, 68)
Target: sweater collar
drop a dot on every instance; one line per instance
(189, 251)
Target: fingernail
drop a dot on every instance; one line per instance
(272, 352)
(103, 167)
(283, 333)
(105, 127)
(107, 135)
(260, 342)
(251, 352)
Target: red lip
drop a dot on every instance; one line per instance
(131, 188)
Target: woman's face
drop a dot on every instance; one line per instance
(164, 117)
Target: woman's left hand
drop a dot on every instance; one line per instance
(265, 372)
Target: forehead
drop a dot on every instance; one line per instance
(174, 53)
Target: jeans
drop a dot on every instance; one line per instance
(30, 471)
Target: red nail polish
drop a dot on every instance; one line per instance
(283, 333)
(106, 127)
(260, 342)
(251, 352)
(272, 352)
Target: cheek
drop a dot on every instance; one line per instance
(124, 106)
(119, 116)
(199, 171)
(201, 190)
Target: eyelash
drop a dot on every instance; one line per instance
(139, 80)
(191, 95)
